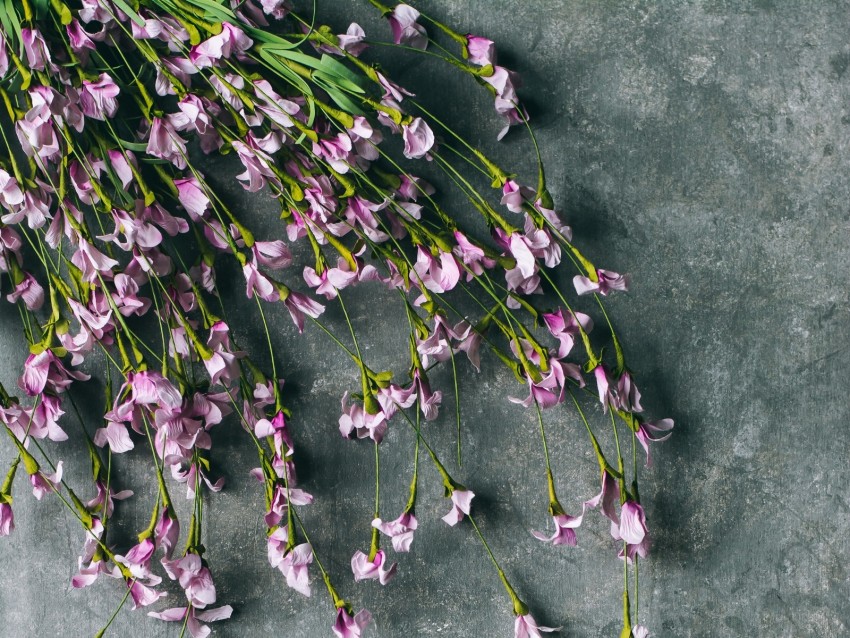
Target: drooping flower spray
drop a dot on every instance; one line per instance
(109, 228)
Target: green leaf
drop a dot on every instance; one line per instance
(214, 10)
(131, 13)
(340, 98)
(334, 67)
(12, 25)
(136, 147)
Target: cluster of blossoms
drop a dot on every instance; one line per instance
(108, 224)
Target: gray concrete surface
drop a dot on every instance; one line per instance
(701, 146)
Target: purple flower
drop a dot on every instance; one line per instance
(405, 28)
(80, 41)
(564, 329)
(632, 523)
(526, 627)
(352, 40)
(461, 504)
(418, 138)
(29, 291)
(276, 8)
(194, 578)
(515, 195)
(138, 560)
(356, 422)
(37, 51)
(565, 526)
(231, 41)
(349, 625)
(438, 274)
(97, 99)
(7, 516)
(292, 563)
(400, 530)
(45, 371)
(606, 282)
(167, 531)
(300, 306)
(11, 194)
(628, 395)
(4, 57)
(116, 435)
(481, 50)
(646, 430)
(365, 569)
(608, 497)
(472, 256)
(142, 595)
(196, 617)
(165, 143)
(607, 394)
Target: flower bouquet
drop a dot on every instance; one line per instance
(114, 245)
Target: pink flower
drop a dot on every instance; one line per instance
(481, 50)
(405, 28)
(646, 430)
(37, 51)
(607, 281)
(165, 143)
(565, 526)
(418, 138)
(138, 560)
(472, 256)
(632, 523)
(608, 497)
(352, 40)
(461, 504)
(11, 194)
(29, 291)
(356, 422)
(167, 531)
(300, 306)
(80, 41)
(276, 8)
(438, 274)
(44, 371)
(232, 41)
(607, 394)
(278, 508)
(192, 197)
(400, 530)
(526, 627)
(151, 388)
(257, 283)
(257, 165)
(564, 329)
(116, 435)
(194, 578)
(7, 516)
(375, 569)
(196, 617)
(350, 625)
(429, 402)
(293, 563)
(97, 99)
(628, 395)
(639, 631)
(4, 57)
(272, 254)
(142, 595)
(223, 365)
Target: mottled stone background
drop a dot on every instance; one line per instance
(701, 146)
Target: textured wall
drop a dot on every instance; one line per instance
(700, 146)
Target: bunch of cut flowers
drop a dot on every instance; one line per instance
(110, 229)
